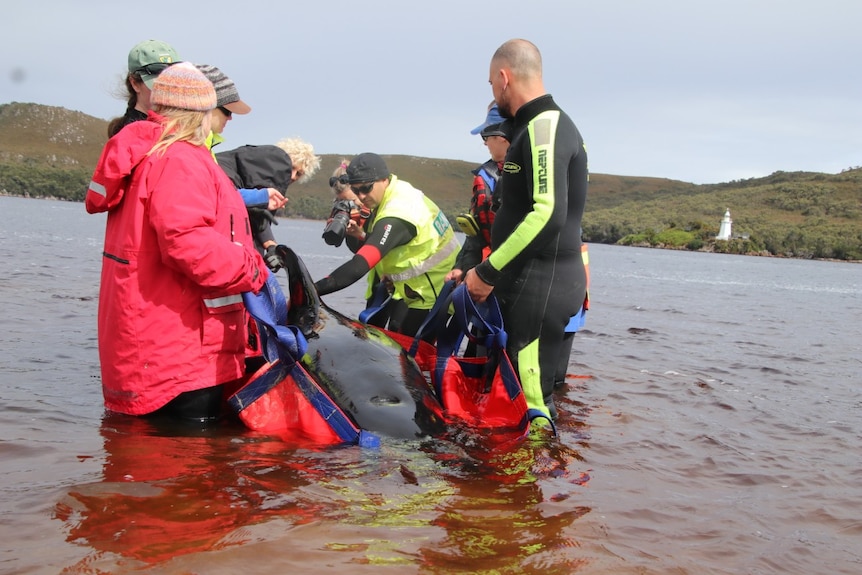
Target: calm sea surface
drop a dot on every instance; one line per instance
(711, 424)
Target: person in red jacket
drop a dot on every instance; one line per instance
(178, 255)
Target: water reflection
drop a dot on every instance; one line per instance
(170, 495)
(512, 508)
(176, 491)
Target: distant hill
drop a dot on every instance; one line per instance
(49, 151)
(50, 136)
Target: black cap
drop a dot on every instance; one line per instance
(502, 129)
(366, 167)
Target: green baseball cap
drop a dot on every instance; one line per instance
(149, 58)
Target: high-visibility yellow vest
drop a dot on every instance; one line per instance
(417, 269)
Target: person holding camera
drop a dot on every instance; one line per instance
(477, 224)
(348, 216)
(347, 222)
(409, 244)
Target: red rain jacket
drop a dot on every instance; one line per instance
(178, 254)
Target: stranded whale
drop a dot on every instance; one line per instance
(362, 370)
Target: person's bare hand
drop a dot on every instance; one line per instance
(456, 275)
(355, 230)
(478, 289)
(276, 199)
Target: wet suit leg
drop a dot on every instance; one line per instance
(563, 363)
(536, 308)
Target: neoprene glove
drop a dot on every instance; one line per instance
(273, 261)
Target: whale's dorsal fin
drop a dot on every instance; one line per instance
(304, 305)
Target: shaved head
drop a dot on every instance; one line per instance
(515, 75)
(521, 57)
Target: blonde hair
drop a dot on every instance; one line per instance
(180, 126)
(302, 156)
(340, 186)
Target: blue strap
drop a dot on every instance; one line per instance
(330, 412)
(287, 343)
(485, 317)
(269, 309)
(379, 299)
(533, 414)
(435, 318)
(430, 325)
(577, 321)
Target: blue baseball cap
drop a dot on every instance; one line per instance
(492, 118)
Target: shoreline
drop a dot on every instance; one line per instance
(644, 246)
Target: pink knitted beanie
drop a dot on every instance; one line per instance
(185, 87)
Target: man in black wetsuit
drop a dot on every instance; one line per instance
(535, 267)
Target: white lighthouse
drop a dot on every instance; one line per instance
(724, 231)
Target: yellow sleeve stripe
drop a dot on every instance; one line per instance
(542, 130)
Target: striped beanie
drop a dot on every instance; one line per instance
(226, 92)
(185, 87)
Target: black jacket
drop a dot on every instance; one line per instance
(256, 167)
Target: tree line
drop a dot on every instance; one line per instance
(815, 216)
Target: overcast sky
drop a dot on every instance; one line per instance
(699, 91)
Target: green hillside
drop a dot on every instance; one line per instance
(798, 214)
(50, 152)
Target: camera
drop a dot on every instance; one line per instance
(336, 227)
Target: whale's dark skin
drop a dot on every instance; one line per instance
(367, 373)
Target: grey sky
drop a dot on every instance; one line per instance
(704, 92)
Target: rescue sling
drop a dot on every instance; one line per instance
(281, 397)
(469, 366)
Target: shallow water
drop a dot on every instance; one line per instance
(711, 425)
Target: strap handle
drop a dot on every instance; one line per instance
(480, 323)
(379, 298)
(488, 323)
(485, 316)
(432, 323)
